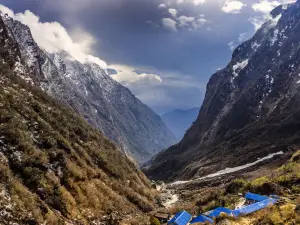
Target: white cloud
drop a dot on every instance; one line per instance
(182, 22)
(257, 21)
(200, 22)
(185, 21)
(232, 6)
(173, 12)
(265, 6)
(53, 37)
(7, 11)
(166, 94)
(162, 6)
(127, 75)
(195, 2)
(232, 45)
(152, 24)
(243, 37)
(190, 22)
(169, 24)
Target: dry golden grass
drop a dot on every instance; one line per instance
(56, 166)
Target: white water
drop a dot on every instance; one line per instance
(228, 170)
(171, 201)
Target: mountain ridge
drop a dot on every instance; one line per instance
(54, 167)
(87, 89)
(250, 108)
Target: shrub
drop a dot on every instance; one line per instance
(154, 221)
(260, 181)
(238, 185)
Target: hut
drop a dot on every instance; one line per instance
(201, 219)
(181, 218)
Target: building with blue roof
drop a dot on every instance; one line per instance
(181, 218)
(201, 219)
(254, 207)
(217, 212)
(255, 197)
(260, 202)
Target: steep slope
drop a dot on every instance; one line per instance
(54, 167)
(103, 102)
(251, 107)
(179, 121)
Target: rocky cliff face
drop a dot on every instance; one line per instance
(54, 167)
(87, 88)
(251, 107)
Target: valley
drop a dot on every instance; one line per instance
(276, 177)
(78, 147)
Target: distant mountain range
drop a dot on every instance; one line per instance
(179, 121)
(88, 90)
(251, 108)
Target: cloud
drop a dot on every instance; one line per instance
(243, 37)
(162, 94)
(232, 6)
(7, 11)
(195, 2)
(232, 45)
(173, 12)
(190, 22)
(200, 22)
(165, 98)
(265, 6)
(162, 6)
(127, 75)
(257, 21)
(184, 21)
(152, 24)
(169, 24)
(69, 6)
(179, 22)
(53, 37)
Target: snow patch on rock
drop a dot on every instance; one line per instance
(230, 170)
(238, 67)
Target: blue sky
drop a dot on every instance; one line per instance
(164, 51)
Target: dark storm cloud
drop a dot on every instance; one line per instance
(130, 32)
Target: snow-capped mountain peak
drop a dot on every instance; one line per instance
(90, 91)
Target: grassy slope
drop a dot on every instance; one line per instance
(54, 167)
(284, 181)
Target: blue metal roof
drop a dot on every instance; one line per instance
(255, 197)
(216, 212)
(181, 218)
(201, 219)
(254, 207)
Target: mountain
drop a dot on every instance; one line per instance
(87, 88)
(54, 167)
(251, 107)
(178, 121)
